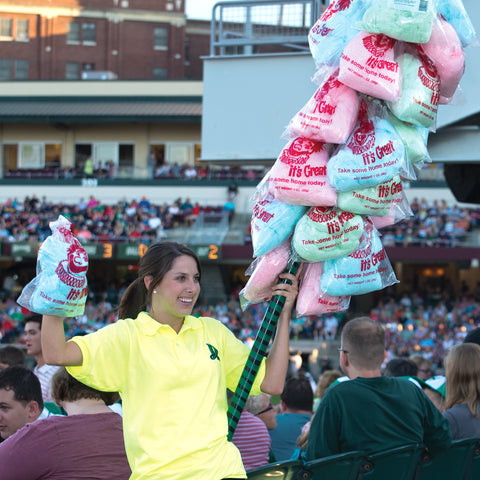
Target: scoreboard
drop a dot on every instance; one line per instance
(108, 250)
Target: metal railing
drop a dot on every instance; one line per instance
(262, 26)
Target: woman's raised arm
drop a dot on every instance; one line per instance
(56, 350)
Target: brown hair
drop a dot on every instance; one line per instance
(364, 340)
(67, 388)
(463, 376)
(156, 262)
(325, 380)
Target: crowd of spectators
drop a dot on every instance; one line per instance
(425, 323)
(127, 220)
(436, 224)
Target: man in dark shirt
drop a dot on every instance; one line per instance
(370, 412)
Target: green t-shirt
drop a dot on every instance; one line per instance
(375, 414)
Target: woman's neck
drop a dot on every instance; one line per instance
(85, 406)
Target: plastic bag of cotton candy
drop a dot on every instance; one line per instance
(60, 285)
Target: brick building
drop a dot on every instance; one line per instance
(99, 39)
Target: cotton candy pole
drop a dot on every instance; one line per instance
(257, 353)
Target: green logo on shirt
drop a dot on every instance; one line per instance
(213, 352)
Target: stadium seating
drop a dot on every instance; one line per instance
(409, 462)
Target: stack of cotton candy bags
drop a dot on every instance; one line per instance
(329, 116)
(299, 176)
(264, 273)
(60, 285)
(366, 270)
(311, 299)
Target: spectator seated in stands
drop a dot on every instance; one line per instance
(21, 400)
(400, 367)
(296, 403)
(252, 439)
(86, 444)
(463, 390)
(372, 412)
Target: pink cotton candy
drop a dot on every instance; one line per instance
(311, 299)
(265, 275)
(368, 65)
(299, 175)
(445, 51)
(329, 116)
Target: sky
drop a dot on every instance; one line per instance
(200, 9)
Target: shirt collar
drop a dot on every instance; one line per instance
(150, 326)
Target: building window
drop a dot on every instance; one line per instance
(5, 69)
(21, 30)
(21, 69)
(6, 27)
(160, 73)
(72, 71)
(89, 33)
(73, 35)
(160, 39)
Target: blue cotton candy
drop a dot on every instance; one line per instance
(60, 286)
(374, 153)
(272, 223)
(454, 12)
(333, 30)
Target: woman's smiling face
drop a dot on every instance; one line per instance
(178, 291)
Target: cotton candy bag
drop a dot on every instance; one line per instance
(333, 30)
(445, 50)
(60, 285)
(326, 232)
(329, 116)
(410, 21)
(455, 14)
(368, 65)
(418, 102)
(373, 154)
(299, 175)
(375, 200)
(311, 299)
(264, 273)
(414, 140)
(272, 223)
(366, 270)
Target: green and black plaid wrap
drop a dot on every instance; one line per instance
(257, 353)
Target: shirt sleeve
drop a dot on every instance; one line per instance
(453, 423)
(105, 357)
(236, 357)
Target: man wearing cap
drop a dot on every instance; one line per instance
(372, 412)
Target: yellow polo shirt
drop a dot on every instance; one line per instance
(173, 389)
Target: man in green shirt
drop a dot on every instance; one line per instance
(370, 412)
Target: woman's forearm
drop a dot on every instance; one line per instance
(56, 350)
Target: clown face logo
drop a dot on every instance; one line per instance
(77, 259)
(378, 45)
(363, 138)
(299, 151)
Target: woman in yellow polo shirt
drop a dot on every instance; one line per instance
(171, 369)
